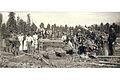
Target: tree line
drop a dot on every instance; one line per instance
(17, 26)
(27, 27)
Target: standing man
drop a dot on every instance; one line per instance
(16, 46)
(29, 40)
(111, 40)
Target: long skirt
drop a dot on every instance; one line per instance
(21, 46)
(25, 45)
(3, 43)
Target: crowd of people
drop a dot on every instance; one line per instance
(87, 42)
(19, 42)
(24, 36)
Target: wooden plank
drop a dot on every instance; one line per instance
(108, 56)
(111, 63)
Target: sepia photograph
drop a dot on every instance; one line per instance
(59, 39)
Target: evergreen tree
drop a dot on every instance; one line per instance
(101, 27)
(28, 24)
(17, 24)
(33, 28)
(3, 30)
(48, 27)
(0, 19)
(11, 23)
(23, 27)
(41, 25)
(107, 25)
(66, 28)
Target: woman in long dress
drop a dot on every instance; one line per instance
(25, 44)
(20, 38)
(35, 41)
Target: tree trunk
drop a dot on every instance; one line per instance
(0, 31)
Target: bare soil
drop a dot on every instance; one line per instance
(36, 60)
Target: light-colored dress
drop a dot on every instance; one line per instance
(20, 38)
(35, 42)
(25, 45)
(3, 43)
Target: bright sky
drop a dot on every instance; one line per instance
(69, 18)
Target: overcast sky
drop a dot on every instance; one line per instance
(69, 18)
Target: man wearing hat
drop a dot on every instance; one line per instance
(16, 46)
(29, 40)
(82, 48)
(111, 40)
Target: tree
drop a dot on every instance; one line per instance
(28, 24)
(66, 27)
(107, 25)
(28, 19)
(76, 29)
(52, 27)
(42, 25)
(11, 23)
(55, 27)
(0, 29)
(21, 26)
(33, 28)
(0, 19)
(101, 27)
(18, 24)
(48, 27)
(24, 27)
(3, 30)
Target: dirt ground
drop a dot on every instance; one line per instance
(25, 60)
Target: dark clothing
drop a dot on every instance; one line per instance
(110, 49)
(8, 45)
(69, 52)
(111, 39)
(82, 50)
(99, 43)
(93, 36)
(15, 47)
(29, 47)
